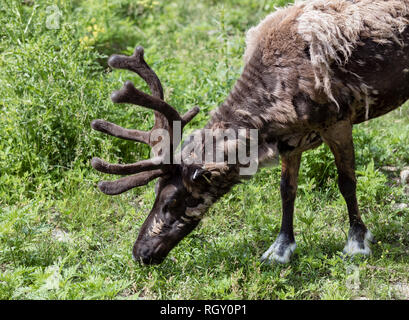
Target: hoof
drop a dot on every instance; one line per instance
(280, 251)
(358, 242)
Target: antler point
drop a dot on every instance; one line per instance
(95, 124)
(102, 186)
(139, 51)
(96, 162)
(116, 96)
(113, 61)
(128, 84)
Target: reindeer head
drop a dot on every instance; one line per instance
(182, 191)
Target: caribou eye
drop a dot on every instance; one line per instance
(192, 202)
(201, 174)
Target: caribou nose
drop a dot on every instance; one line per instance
(145, 255)
(140, 254)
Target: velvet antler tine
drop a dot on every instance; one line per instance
(137, 63)
(129, 94)
(119, 132)
(127, 183)
(144, 165)
(188, 116)
(165, 115)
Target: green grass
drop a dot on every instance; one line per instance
(60, 238)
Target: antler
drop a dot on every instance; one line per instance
(165, 115)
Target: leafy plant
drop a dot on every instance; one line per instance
(62, 239)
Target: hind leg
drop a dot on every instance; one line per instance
(339, 139)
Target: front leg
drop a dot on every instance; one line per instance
(339, 139)
(284, 246)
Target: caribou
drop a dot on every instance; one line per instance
(312, 70)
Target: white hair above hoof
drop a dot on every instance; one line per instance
(279, 252)
(355, 246)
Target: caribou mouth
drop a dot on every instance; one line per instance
(149, 256)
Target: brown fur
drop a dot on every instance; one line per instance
(281, 93)
(312, 71)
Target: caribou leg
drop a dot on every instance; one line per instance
(284, 246)
(339, 139)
